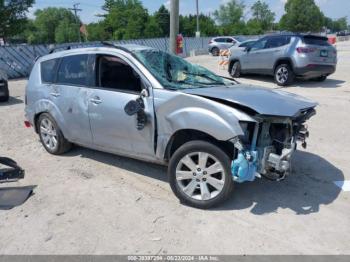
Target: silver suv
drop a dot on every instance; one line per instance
(147, 104)
(286, 57)
(223, 42)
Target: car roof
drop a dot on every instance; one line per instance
(76, 49)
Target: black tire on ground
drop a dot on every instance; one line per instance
(5, 97)
(215, 51)
(63, 145)
(215, 199)
(284, 75)
(235, 69)
(320, 79)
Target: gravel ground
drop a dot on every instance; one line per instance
(88, 202)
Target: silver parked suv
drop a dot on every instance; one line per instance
(223, 42)
(147, 104)
(286, 57)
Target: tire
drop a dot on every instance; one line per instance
(215, 51)
(200, 192)
(5, 97)
(235, 69)
(284, 75)
(52, 133)
(321, 78)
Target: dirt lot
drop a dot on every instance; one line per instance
(88, 202)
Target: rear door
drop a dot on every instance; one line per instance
(251, 59)
(70, 94)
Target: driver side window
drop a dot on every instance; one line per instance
(114, 73)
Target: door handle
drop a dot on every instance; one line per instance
(96, 100)
(55, 94)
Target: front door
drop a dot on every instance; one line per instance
(117, 83)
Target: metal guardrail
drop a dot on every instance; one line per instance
(17, 60)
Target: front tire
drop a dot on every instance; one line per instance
(235, 70)
(200, 174)
(51, 135)
(6, 96)
(284, 75)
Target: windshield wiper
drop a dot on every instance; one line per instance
(204, 76)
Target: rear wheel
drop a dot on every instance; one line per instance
(284, 75)
(200, 175)
(235, 69)
(215, 51)
(51, 136)
(6, 94)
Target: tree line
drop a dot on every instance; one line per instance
(129, 19)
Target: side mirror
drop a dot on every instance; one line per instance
(247, 49)
(144, 93)
(132, 108)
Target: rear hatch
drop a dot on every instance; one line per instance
(319, 50)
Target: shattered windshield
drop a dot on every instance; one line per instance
(173, 72)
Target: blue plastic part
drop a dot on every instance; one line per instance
(244, 166)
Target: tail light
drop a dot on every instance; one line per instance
(211, 41)
(305, 50)
(27, 124)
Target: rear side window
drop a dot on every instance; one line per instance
(274, 42)
(48, 70)
(220, 40)
(73, 70)
(314, 40)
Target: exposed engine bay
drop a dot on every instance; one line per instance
(267, 146)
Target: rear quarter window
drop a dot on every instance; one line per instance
(73, 70)
(321, 41)
(48, 70)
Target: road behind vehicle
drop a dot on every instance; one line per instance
(286, 57)
(4, 91)
(148, 104)
(223, 42)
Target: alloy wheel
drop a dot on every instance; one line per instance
(200, 175)
(48, 134)
(282, 75)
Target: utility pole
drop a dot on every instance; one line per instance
(76, 10)
(174, 24)
(198, 34)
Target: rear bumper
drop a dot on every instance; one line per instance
(313, 70)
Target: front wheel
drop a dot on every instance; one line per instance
(215, 51)
(284, 75)
(235, 69)
(200, 175)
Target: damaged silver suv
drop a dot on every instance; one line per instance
(147, 104)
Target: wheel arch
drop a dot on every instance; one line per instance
(182, 136)
(283, 60)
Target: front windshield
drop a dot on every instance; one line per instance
(174, 72)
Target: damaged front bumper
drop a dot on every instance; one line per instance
(267, 147)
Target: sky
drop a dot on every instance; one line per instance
(90, 8)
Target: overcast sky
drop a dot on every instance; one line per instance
(331, 8)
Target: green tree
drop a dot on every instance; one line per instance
(302, 16)
(262, 16)
(13, 17)
(162, 18)
(188, 25)
(125, 19)
(230, 17)
(98, 32)
(153, 30)
(54, 24)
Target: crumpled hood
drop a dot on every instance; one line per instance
(262, 100)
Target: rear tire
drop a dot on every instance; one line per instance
(51, 135)
(235, 69)
(284, 75)
(200, 174)
(215, 51)
(6, 96)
